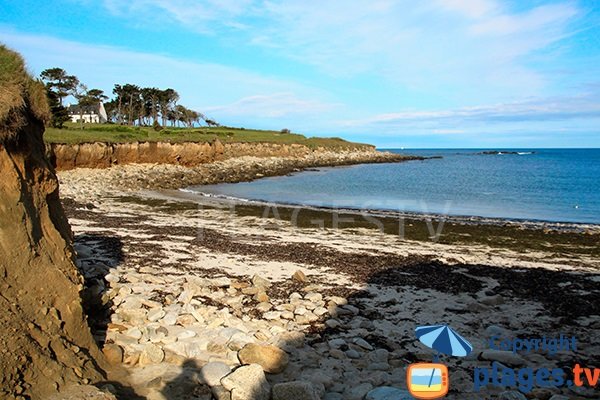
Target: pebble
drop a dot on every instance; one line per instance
(295, 390)
(113, 353)
(353, 354)
(388, 393)
(299, 276)
(337, 343)
(336, 353)
(333, 323)
(357, 392)
(260, 282)
(169, 319)
(362, 343)
(152, 354)
(313, 297)
(155, 314)
(505, 357)
(511, 395)
(264, 307)
(272, 315)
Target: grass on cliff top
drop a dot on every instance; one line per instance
(18, 92)
(110, 133)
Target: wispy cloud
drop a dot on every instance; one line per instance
(205, 16)
(464, 44)
(275, 105)
(200, 85)
(545, 110)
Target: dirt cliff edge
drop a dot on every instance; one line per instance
(45, 342)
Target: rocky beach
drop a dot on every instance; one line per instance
(199, 300)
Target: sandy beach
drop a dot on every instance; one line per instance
(180, 288)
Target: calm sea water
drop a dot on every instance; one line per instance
(560, 185)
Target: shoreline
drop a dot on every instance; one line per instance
(168, 178)
(176, 286)
(566, 226)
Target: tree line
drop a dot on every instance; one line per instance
(132, 104)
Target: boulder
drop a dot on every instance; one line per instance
(247, 382)
(272, 359)
(213, 372)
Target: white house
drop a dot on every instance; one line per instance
(90, 114)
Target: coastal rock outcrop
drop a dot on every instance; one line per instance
(188, 154)
(45, 342)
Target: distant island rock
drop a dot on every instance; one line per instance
(499, 152)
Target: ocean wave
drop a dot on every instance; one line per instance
(214, 195)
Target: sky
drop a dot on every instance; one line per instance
(413, 74)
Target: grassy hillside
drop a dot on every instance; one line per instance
(121, 134)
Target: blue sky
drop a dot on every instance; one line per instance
(436, 73)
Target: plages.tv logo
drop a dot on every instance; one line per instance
(430, 380)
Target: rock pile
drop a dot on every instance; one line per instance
(239, 342)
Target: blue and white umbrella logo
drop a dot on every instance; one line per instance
(444, 339)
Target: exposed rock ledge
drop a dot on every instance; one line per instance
(189, 154)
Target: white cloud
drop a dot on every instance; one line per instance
(447, 131)
(201, 85)
(275, 105)
(470, 8)
(202, 16)
(479, 47)
(546, 110)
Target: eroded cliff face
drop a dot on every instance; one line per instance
(45, 342)
(104, 155)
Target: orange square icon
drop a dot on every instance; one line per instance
(427, 380)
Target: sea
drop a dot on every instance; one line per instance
(554, 185)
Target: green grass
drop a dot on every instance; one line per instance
(110, 133)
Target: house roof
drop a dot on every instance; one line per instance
(75, 109)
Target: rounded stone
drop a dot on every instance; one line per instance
(152, 354)
(113, 353)
(388, 393)
(272, 359)
(213, 372)
(297, 390)
(247, 382)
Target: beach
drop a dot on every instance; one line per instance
(179, 288)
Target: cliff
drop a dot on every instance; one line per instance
(45, 342)
(189, 154)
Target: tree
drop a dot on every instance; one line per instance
(58, 81)
(97, 94)
(60, 115)
(167, 100)
(211, 122)
(128, 103)
(133, 101)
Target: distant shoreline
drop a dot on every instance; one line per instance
(564, 226)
